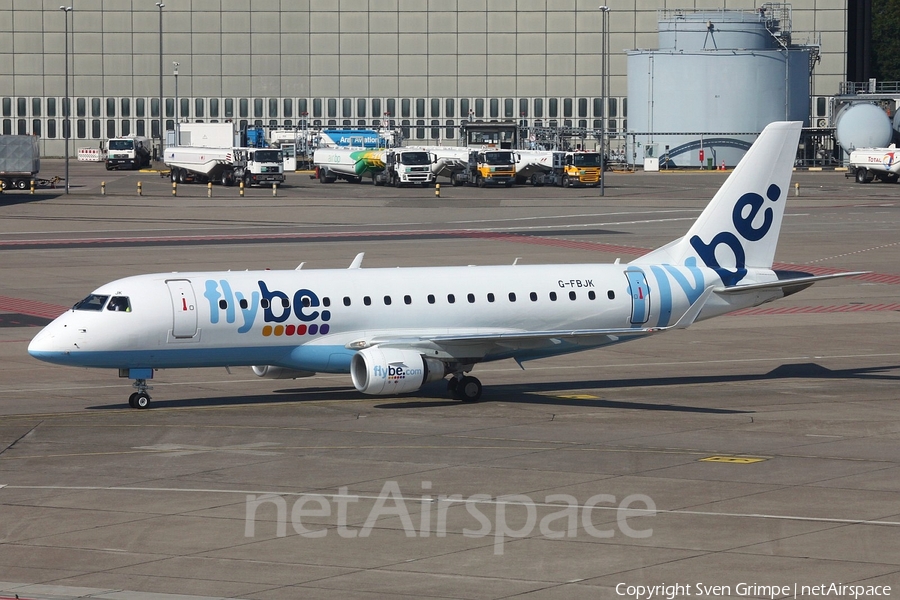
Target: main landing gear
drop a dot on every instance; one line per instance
(464, 387)
(140, 398)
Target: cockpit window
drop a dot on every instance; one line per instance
(92, 302)
(119, 304)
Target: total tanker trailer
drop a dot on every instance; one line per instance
(394, 166)
(870, 163)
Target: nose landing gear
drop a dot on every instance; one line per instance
(140, 399)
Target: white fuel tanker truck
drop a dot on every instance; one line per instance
(867, 164)
(228, 166)
(393, 166)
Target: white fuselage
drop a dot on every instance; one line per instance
(309, 320)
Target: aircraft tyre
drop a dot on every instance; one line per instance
(468, 389)
(141, 400)
(131, 399)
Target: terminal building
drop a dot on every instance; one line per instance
(424, 66)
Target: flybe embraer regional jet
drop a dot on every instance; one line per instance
(396, 329)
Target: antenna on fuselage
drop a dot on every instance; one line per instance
(515, 262)
(357, 262)
(300, 266)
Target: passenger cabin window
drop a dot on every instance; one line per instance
(407, 299)
(553, 296)
(490, 297)
(572, 295)
(430, 298)
(611, 295)
(451, 298)
(533, 296)
(471, 298)
(592, 295)
(243, 303)
(119, 304)
(92, 302)
(387, 300)
(512, 296)
(346, 300)
(223, 304)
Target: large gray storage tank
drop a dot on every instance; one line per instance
(861, 125)
(717, 74)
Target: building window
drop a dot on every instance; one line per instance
(552, 108)
(495, 108)
(347, 108)
(332, 108)
(35, 107)
(214, 108)
(361, 107)
(567, 107)
(199, 108)
(243, 108)
(479, 107)
(51, 107)
(448, 107)
(523, 107)
(110, 107)
(508, 104)
(405, 107)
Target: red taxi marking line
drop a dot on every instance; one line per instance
(31, 308)
(788, 310)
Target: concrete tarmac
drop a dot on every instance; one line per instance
(754, 455)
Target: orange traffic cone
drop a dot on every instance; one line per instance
(722, 166)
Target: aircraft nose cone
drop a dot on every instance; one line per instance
(42, 343)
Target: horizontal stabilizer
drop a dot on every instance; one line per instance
(791, 285)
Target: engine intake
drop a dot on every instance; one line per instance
(387, 371)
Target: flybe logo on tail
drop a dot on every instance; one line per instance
(746, 211)
(277, 307)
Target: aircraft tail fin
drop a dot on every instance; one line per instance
(739, 227)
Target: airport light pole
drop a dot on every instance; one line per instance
(67, 125)
(175, 64)
(604, 56)
(161, 6)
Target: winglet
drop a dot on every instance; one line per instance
(357, 262)
(690, 315)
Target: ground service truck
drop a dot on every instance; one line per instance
(394, 166)
(129, 152)
(871, 163)
(228, 166)
(20, 161)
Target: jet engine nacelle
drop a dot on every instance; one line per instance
(386, 371)
(270, 372)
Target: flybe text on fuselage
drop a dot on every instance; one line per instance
(277, 307)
